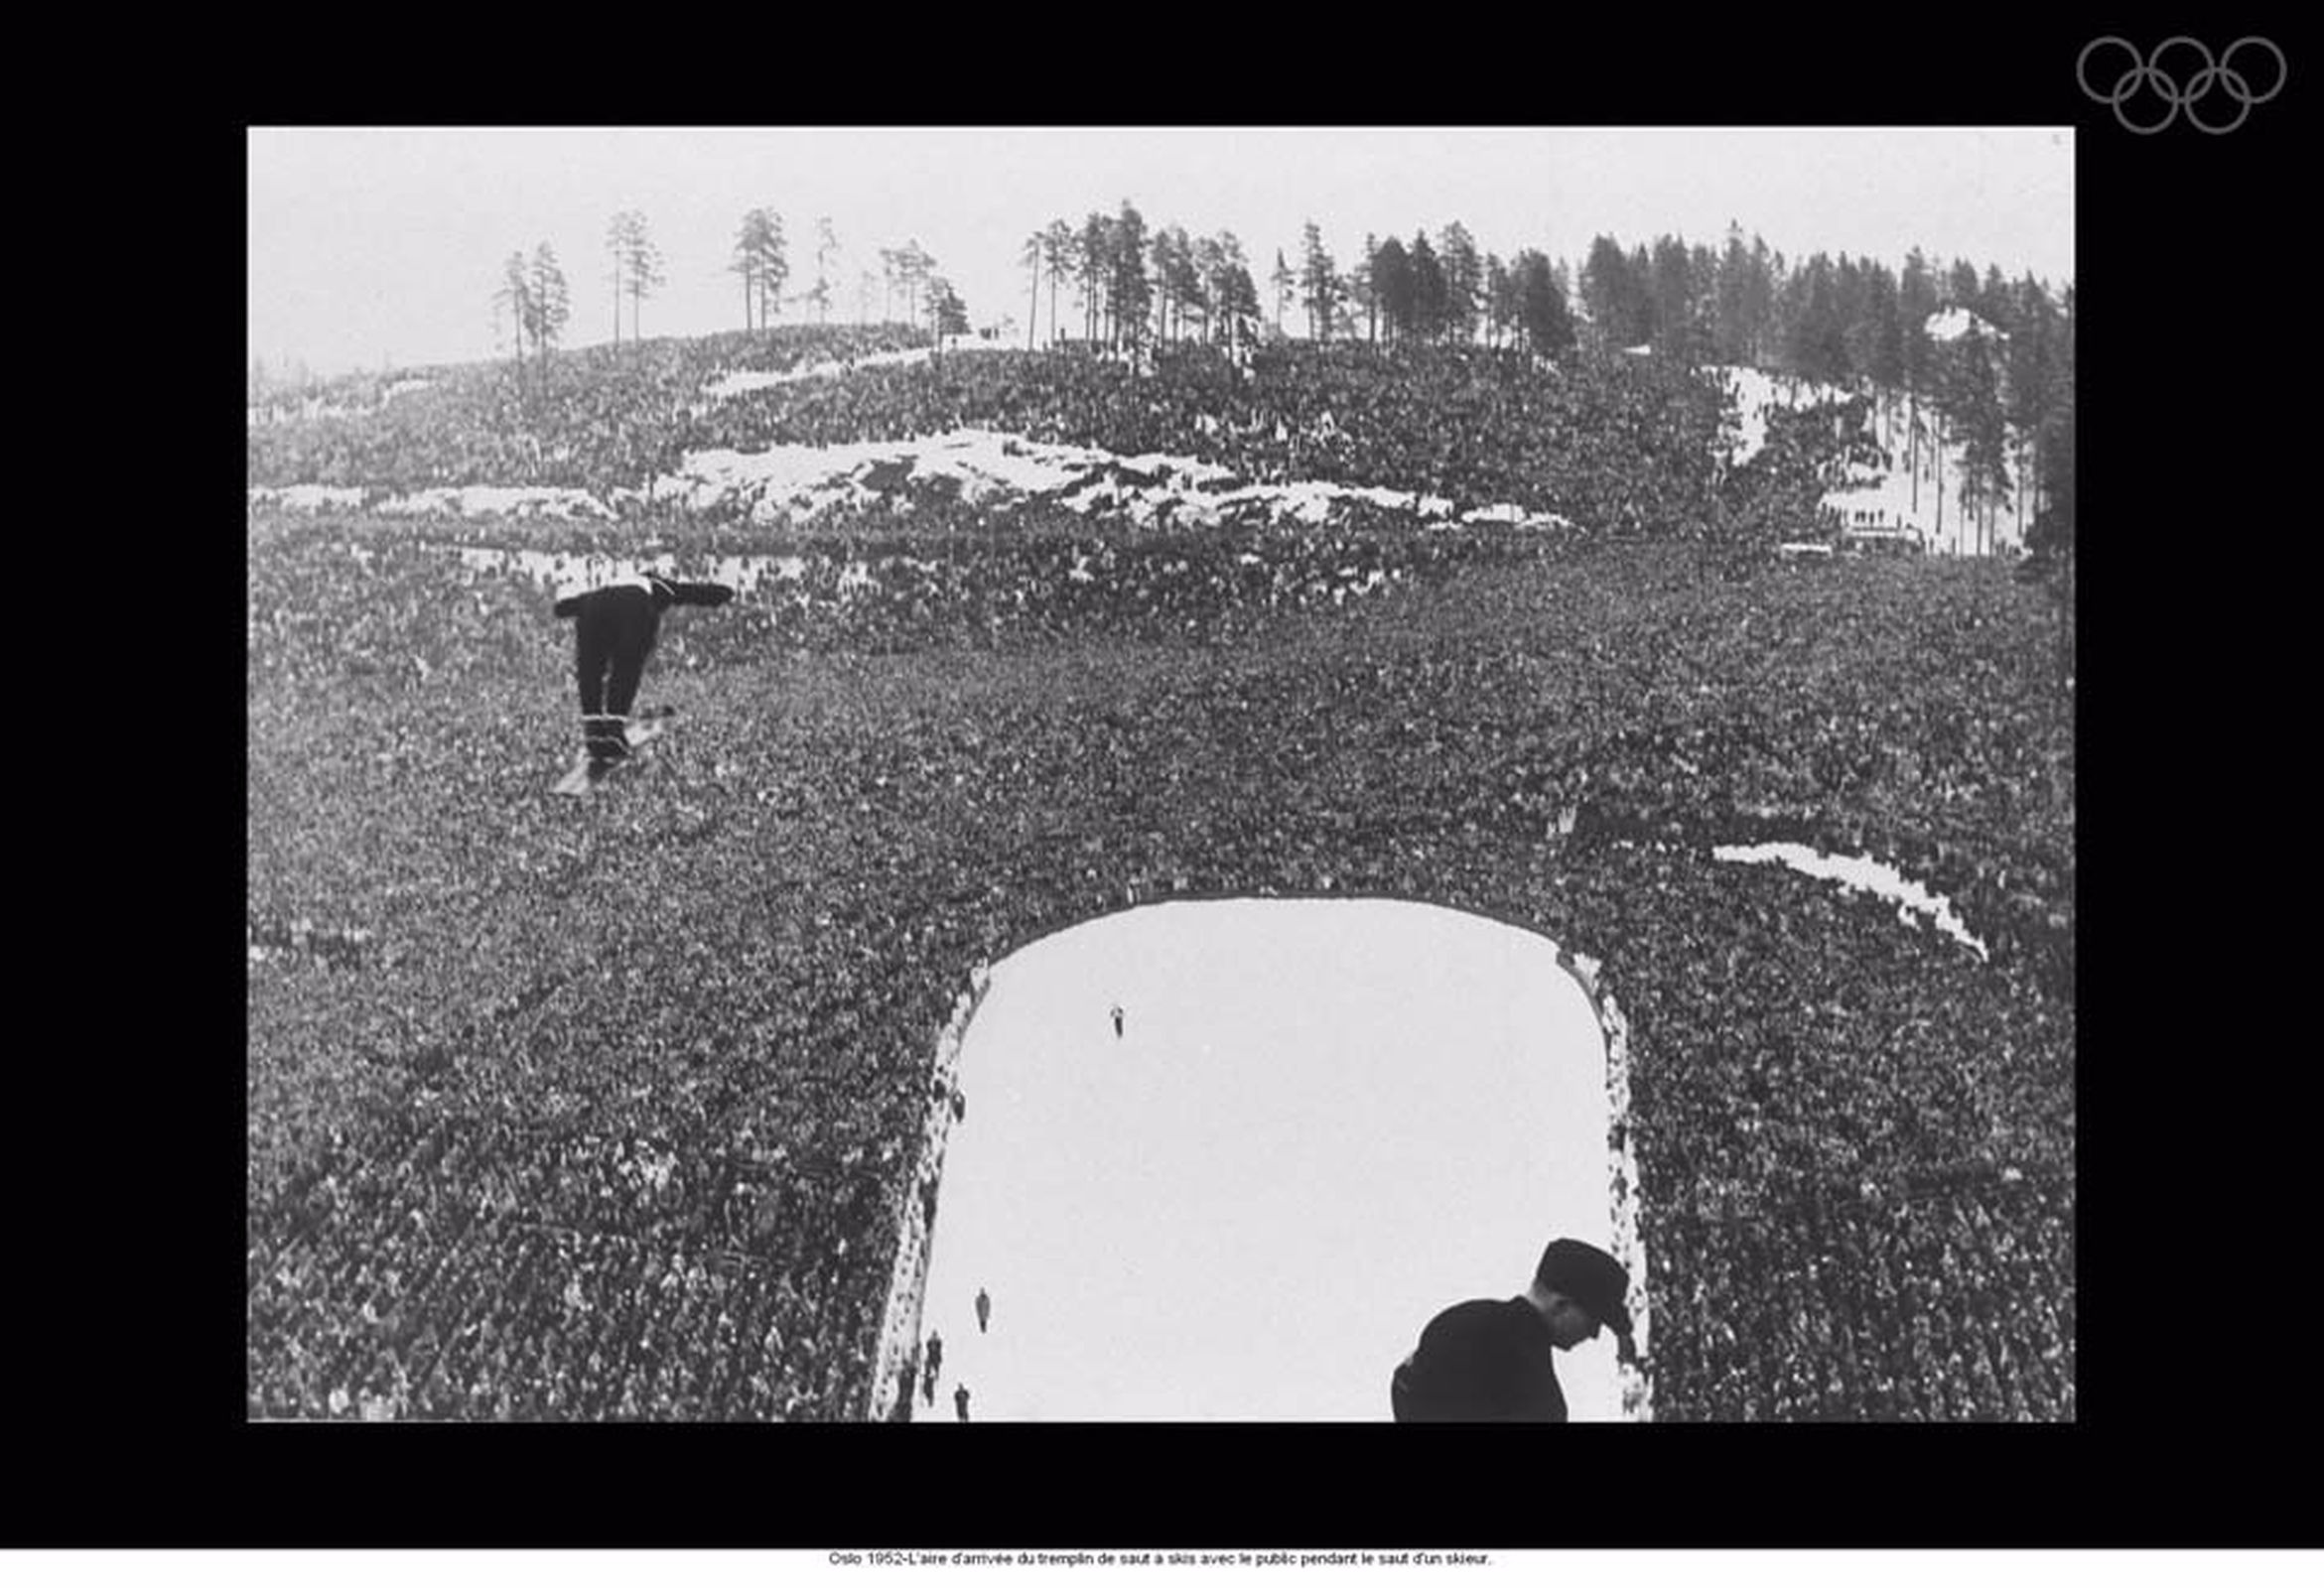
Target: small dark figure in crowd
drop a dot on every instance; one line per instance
(613, 632)
(1117, 1021)
(935, 1366)
(960, 1402)
(1494, 1360)
(984, 1308)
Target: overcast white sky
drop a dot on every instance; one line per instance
(371, 245)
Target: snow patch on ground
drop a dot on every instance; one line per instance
(1951, 325)
(307, 498)
(504, 501)
(737, 382)
(986, 466)
(1861, 872)
(572, 574)
(1892, 500)
(1757, 392)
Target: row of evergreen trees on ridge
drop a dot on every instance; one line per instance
(1848, 323)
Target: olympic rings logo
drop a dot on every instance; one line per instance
(2148, 73)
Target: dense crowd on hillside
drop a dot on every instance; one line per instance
(501, 1168)
(1622, 447)
(1066, 577)
(601, 420)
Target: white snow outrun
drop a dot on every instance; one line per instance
(1321, 1122)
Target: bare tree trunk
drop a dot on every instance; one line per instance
(2023, 450)
(1940, 461)
(1912, 441)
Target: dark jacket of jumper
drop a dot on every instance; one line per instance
(665, 593)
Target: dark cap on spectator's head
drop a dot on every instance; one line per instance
(1590, 1276)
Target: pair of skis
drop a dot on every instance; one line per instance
(585, 775)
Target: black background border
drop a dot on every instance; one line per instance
(136, 1411)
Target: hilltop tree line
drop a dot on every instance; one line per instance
(1847, 322)
(533, 304)
(1134, 285)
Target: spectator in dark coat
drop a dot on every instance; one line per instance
(1494, 1360)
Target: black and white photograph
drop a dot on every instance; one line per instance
(1181, 774)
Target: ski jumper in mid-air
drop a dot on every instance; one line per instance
(614, 627)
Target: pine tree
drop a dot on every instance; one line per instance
(1096, 246)
(759, 258)
(1366, 283)
(1916, 301)
(918, 270)
(617, 235)
(1497, 307)
(1394, 289)
(1058, 254)
(1465, 280)
(1031, 256)
(1162, 270)
(1759, 301)
(2030, 378)
(638, 266)
(1730, 328)
(1961, 286)
(1884, 358)
(1639, 278)
(947, 314)
(1239, 300)
(1318, 282)
(1205, 284)
(1673, 290)
(551, 302)
(1851, 303)
(1614, 293)
(825, 250)
(1431, 294)
(1549, 325)
(1971, 406)
(515, 296)
(1129, 288)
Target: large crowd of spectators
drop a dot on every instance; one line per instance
(610, 1111)
(1623, 447)
(601, 418)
